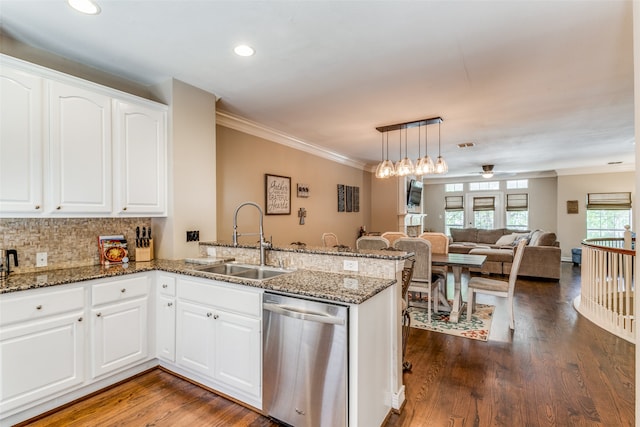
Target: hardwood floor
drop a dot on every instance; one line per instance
(555, 369)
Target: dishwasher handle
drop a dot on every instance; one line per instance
(303, 315)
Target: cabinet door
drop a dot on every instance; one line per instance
(20, 142)
(119, 335)
(194, 337)
(140, 159)
(238, 352)
(166, 328)
(80, 150)
(40, 358)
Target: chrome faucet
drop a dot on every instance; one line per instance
(263, 243)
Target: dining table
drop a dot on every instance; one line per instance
(458, 263)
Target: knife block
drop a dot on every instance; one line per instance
(145, 254)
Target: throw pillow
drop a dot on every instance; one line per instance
(506, 240)
(521, 236)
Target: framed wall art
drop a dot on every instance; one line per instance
(277, 194)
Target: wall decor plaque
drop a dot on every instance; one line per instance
(341, 198)
(572, 206)
(277, 194)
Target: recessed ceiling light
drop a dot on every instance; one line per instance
(85, 6)
(244, 50)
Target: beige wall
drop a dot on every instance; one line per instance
(384, 205)
(243, 160)
(572, 227)
(192, 171)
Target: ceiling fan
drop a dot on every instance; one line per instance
(488, 172)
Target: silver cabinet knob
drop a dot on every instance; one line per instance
(165, 286)
(58, 208)
(38, 307)
(99, 314)
(37, 207)
(80, 319)
(170, 304)
(209, 314)
(123, 290)
(215, 316)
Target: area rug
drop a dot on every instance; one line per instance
(477, 328)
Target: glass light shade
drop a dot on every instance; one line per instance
(379, 170)
(420, 168)
(404, 167)
(430, 168)
(386, 170)
(441, 166)
(487, 175)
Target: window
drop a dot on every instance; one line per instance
(484, 209)
(453, 213)
(607, 214)
(517, 184)
(517, 214)
(449, 188)
(484, 185)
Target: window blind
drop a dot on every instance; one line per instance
(484, 203)
(609, 201)
(453, 203)
(517, 202)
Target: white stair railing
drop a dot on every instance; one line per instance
(608, 286)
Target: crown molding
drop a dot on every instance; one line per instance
(241, 124)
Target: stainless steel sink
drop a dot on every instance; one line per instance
(247, 271)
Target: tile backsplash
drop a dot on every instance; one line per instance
(68, 242)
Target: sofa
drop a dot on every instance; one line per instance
(541, 259)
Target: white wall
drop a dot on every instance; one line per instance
(572, 228)
(192, 164)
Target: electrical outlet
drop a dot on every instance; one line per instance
(193, 236)
(350, 265)
(41, 259)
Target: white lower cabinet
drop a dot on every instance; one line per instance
(119, 325)
(218, 336)
(42, 345)
(60, 342)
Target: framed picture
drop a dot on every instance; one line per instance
(341, 198)
(572, 206)
(277, 194)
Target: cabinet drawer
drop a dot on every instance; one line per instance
(119, 290)
(221, 295)
(166, 285)
(40, 303)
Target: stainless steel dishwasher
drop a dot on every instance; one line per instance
(305, 374)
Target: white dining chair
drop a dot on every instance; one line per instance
(500, 288)
(372, 243)
(329, 240)
(423, 280)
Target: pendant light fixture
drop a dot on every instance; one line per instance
(385, 169)
(440, 166)
(404, 167)
(420, 166)
(426, 162)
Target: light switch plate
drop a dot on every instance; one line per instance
(350, 265)
(41, 259)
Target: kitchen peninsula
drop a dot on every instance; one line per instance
(143, 315)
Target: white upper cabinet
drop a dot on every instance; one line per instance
(80, 150)
(20, 141)
(72, 148)
(140, 151)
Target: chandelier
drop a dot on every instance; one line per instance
(404, 166)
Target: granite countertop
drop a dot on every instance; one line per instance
(390, 254)
(347, 288)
